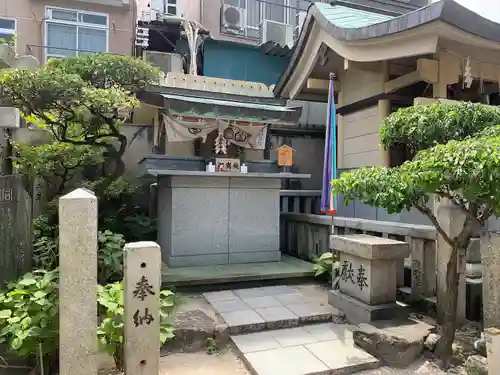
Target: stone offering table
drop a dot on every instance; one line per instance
(367, 285)
(215, 218)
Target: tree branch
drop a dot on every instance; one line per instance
(428, 212)
(488, 211)
(461, 203)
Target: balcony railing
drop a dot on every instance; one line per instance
(246, 19)
(44, 52)
(112, 3)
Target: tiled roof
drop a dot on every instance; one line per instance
(350, 18)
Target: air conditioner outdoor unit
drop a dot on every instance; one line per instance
(278, 32)
(166, 62)
(233, 18)
(149, 15)
(300, 18)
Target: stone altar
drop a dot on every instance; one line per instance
(367, 285)
(215, 218)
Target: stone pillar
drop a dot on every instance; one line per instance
(142, 279)
(384, 110)
(153, 199)
(490, 256)
(77, 283)
(400, 267)
(493, 350)
(366, 290)
(423, 267)
(451, 218)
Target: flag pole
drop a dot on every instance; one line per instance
(333, 122)
(328, 201)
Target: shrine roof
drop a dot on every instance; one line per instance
(354, 30)
(353, 24)
(215, 105)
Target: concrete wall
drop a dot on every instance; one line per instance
(140, 143)
(30, 14)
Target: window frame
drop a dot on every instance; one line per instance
(262, 10)
(49, 20)
(176, 6)
(13, 31)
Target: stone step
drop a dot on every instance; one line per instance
(268, 308)
(319, 349)
(202, 278)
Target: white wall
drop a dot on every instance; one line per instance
(361, 138)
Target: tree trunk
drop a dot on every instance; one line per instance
(116, 156)
(118, 357)
(444, 349)
(119, 170)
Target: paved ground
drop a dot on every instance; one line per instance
(278, 330)
(302, 348)
(281, 306)
(307, 350)
(225, 363)
(228, 364)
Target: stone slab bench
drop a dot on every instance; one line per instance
(368, 277)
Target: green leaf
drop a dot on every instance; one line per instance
(27, 281)
(16, 343)
(4, 314)
(40, 294)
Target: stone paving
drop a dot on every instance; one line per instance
(289, 330)
(257, 309)
(312, 349)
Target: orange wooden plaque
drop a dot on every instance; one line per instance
(285, 156)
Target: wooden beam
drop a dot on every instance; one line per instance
(403, 81)
(370, 102)
(321, 85)
(427, 71)
(372, 66)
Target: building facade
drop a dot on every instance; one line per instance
(55, 28)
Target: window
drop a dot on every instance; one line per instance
(282, 11)
(70, 32)
(275, 10)
(7, 28)
(170, 7)
(259, 10)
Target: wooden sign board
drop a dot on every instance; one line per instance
(285, 156)
(227, 165)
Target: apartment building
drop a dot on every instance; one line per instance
(259, 21)
(56, 28)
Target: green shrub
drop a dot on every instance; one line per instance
(110, 255)
(110, 332)
(29, 317)
(29, 321)
(327, 266)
